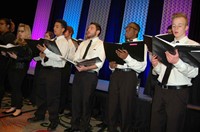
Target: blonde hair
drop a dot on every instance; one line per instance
(27, 31)
(180, 14)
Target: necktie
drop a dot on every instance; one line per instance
(87, 48)
(167, 73)
(46, 59)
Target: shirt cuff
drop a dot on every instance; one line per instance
(46, 51)
(128, 59)
(157, 68)
(180, 63)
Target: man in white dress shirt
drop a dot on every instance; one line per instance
(66, 73)
(170, 99)
(48, 83)
(123, 82)
(86, 78)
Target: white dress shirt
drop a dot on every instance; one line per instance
(182, 73)
(96, 50)
(65, 48)
(71, 50)
(133, 63)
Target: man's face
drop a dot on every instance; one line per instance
(67, 34)
(91, 31)
(179, 27)
(131, 31)
(58, 29)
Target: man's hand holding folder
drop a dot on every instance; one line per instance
(122, 53)
(36, 46)
(118, 52)
(165, 50)
(9, 47)
(84, 62)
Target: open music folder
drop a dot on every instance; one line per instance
(9, 47)
(135, 50)
(189, 53)
(84, 62)
(148, 41)
(51, 45)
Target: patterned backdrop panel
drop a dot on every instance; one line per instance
(72, 13)
(135, 11)
(98, 12)
(173, 6)
(41, 19)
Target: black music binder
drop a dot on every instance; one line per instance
(9, 47)
(148, 42)
(189, 53)
(51, 45)
(166, 37)
(85, 62)
(135, 50)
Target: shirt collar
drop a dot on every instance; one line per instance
(94, 39)
(132, 40)
(59, 37)
(183, 40)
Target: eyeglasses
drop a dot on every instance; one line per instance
(129, 27)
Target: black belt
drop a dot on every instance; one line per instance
(124, 70)
(92, 72)
(172, 87)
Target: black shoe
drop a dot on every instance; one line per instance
(4, 112)
(35, 119)
(72, 130)
(52, 126)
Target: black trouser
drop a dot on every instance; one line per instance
(83, 90)
(3, 73)
(48, 93)
(16, 78)
(38, 67)
(65, 76)
(122, 91)
(169, 109)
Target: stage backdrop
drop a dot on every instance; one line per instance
(112, 15)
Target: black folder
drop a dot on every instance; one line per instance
(85, 62)
(189, 53)
(135, 50)
(51, 45)
(148, 42)
(9, 47)
(166, 37)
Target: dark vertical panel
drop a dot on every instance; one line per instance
(115, 20)
(113, 31)
(154, 17)
(57, 11)
(194, 33)
(153, 24)
(83, 19)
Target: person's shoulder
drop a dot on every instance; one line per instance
(190, 41)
